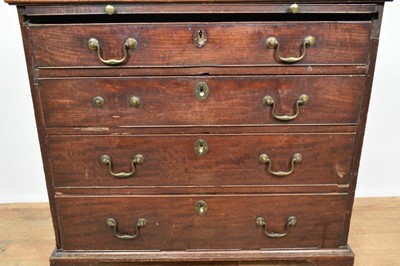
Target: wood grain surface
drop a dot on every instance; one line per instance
(373, 234)
(172, 101)
(170, 161)
(82, 191)
(66, 45)
(174, 224)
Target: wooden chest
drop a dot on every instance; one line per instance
(201, 132)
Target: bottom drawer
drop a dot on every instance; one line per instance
(201, 222)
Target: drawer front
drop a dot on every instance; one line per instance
(174, 45)
(176, 160)
(174, 222)
(201, 101)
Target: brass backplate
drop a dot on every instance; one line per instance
(201, 207)
(199, 38)
(201, 147)
(202, 91)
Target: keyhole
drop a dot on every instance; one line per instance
(201, 148)
(201, 207)
(200, 38)
(202, 91)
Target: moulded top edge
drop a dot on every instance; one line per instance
(198, 8)
(50, 2)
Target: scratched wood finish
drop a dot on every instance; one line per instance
(172, 161)
(228, 43)
(173, 224)
(172, 101)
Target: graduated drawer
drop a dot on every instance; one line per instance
(174, 44)
(201, 222)
(201, 160)
(201, 100)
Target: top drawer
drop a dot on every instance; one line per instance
(200, 44)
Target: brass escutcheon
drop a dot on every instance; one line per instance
(201, 147)
(199, 38)
(202, 91)
(201, 207)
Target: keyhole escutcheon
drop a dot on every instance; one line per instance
(200, 38)
(201, 147)
(202, 90)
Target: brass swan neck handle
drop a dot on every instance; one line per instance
(273, 43)
(112, 223)
(291, 221)
(94, 45)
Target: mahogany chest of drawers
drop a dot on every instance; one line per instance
(201, 133)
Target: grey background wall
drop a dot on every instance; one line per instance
(21, 173)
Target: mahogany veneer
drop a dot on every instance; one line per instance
(201, 142)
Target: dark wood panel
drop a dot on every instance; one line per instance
(227, 43)
(172, 101)
(173, 223)
(231, 160)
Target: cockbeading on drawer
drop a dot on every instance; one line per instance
(172, 223)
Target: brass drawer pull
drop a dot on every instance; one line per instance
(291, 221)
(109, 9)
(269, 101)
(112, 223)
(98, 101)
(294, 8)
(106, 160)
(94, 45)
(264, 158)
(273, 43)
(134, 101)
